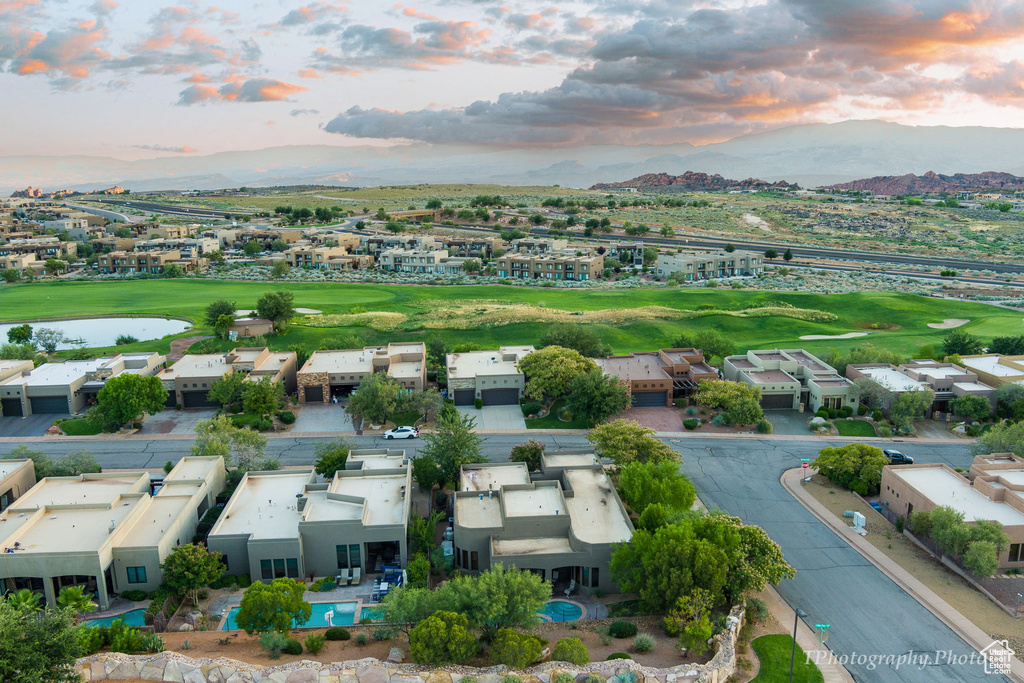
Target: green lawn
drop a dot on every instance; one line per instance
(189, 297)
(408, 418)
(774, 653)
(551, 421)
(855, 428)
(83, 426)
(244, 419)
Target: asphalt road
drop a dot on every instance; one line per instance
(870, 615)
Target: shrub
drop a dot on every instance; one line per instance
(622, 629)
(617, 655)
(764, 426)
(151, 642)
(91, 639)
(478, 403)
(383, 633)
(822, 412)
(593, 678)
(877, 416)
(625, 676)
(862, 409)
(264, 425)
(691, 411)
(756, 609)
(528, 410)
(337, 633)
(570, 650)
(134, 596)
(846, 411)
(833, 413)
(124, 639)
(273, 642)
(560, 677)
(327, 586)
(292, 647)
(361, 639)
(643, 642)
(718, 420)
(286, 416)
(899, 524)
(515, 650)
(511, 678)
(314, 643)
(691, 423)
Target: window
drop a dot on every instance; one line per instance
(278, 568)
(137, 575)
(292, 564)
(474, 560)
(595, 577)
(353, 555)
(1017, 552)
(266, 569)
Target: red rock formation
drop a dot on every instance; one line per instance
(933, 183)
(695, 180)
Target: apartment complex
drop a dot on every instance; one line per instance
(188, 380)
(375, 245)
(656, 377)
(16, 477)
(708, 265)
(493, 377)
(561, 523)
(992, 491)
(947, 380)
(551, 265)
(67, 387)
(286, 524)
(330, 374)
(43, 247)
(152, 262)
(106, 532)
(996, 370)
(325, 258)
(791, 378)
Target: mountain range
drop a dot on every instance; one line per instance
(810, 155)
(695, 181)
(934, 183)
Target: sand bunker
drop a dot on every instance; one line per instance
(949, 323)
(848, 335)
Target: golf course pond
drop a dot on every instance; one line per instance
(94, 332)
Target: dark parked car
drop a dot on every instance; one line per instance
(897, 458)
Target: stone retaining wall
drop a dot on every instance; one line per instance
(178, 668)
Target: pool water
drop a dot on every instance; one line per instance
(560, 610)
(134, 618)
(344, 615)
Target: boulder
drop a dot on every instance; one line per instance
(303, 676)
(395, 656)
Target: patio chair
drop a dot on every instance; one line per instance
(571, 588)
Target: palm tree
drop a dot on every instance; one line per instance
(25, 601)
(75, 598)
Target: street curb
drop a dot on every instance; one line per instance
(831, 670)
(958, 623)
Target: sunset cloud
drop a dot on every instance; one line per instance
(240, 89)
(184, 149)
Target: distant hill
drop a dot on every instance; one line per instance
(692, 180)
(932, 182)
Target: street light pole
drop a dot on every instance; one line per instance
(1016, 612)
(792, 656)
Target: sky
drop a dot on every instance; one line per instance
(147, 78)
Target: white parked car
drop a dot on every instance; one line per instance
(402, 433)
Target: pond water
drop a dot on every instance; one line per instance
(103, 331)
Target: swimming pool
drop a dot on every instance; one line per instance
(344, 615)
(561, 610)
(134, 618)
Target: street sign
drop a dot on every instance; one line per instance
(823, 626)
(822, 633)
(803, 465)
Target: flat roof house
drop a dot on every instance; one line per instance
(996, 370)
(328, 374)
(16, 477)
(994, 490)
(286, 524)
(106, 532)
(57, 388)
(656, 377)
(188, 381)
(947, 380)
(551, 265)
(560, 523)
(707, 265)
(493, 377)
(789, 378)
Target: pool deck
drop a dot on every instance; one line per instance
(359, 594)
(118, 606)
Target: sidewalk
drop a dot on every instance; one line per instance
(963, 627)
(832, 671)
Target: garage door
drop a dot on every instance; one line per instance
(196, 399)
(48, 405)
(172, 398)
(10, 407)
(777, 402)
(464, 397)
(649, 399)
(500, 397)
(314, 394)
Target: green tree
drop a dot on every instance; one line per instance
(981, 558)
(910, 405)
(442, 638)
(174, 270)
(54, 266)
(1002, 437)
(570, 650)
(409, 605)
(427, 402)
(550, 370)
(596, 396)
(418, 571)
(452, 444)
(331, 456)
(515, 650)
(721, 393)
(1007, 346)
(10, 275)
(788, 256)
(280, 269)
(228, 390)
(244, 449)
(277, 307)
(471, 265)
(20, 334)
(126, 396)
(961, 343)
(263, 397)
(584, 340)
(437, 351)
(25, 601)
(500, 597)
(744, 411)
(425, 472)
(625, 441)
(707, 340)
(423, 531)
(278, 245)
(75, 598)
(48, 338)
(219, 308)
(971, 406)
(529, 453)
(855, 466)
(41, 648)
(190, 568)
(277, 606)
(647, 483)
(771, 254)
(252, 247)
(375, 398)
(729, 248)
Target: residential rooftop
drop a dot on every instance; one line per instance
(504, 361)
(637, 366)
(358, 360)
(531, 546)
(947, 489)
(9, 467)
(893, 379)
(56, 374)
(770, 377)
(492, 478)
(384, 495)
(992, 365)
(594, 508)
(264, 506)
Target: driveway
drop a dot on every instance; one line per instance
(321, 417)
(491, 418)
(31, 425)
(171, 421)
(789, 422)
(661, 419)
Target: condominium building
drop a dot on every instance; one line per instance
(493, 377)
(16, 477)
(331, 374)
(21, 263)
(532, 245)
(412, 260)
(992, 491)
(69, 386)
(188, 381)
(153, 262)
(471, 247)
(106, 532)
(656, 377)
(561, 523)
(286, 524)
(631, 253)
(44, 247)
(309, 256)
(707, 265)
(995, 370)
(791, 379)
(562, 265)
(377, 244)
(947, 380)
